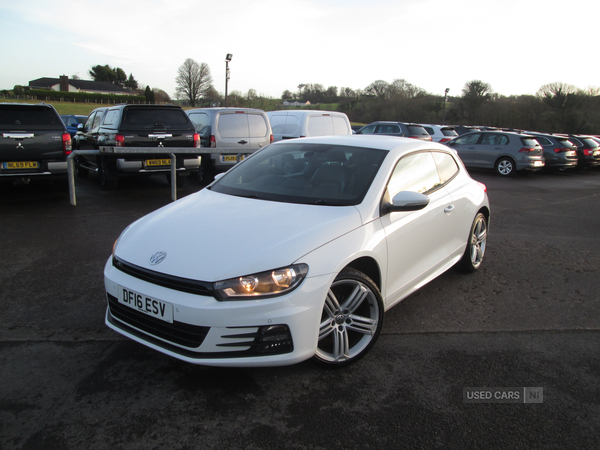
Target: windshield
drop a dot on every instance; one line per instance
(304, 173)
(26, 117)
(149, 118)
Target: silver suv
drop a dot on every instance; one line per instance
(502, 151)
(244, 130)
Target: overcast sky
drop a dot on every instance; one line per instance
(514, 45)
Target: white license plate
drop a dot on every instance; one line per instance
(571, 153)
(147, 305)
(538, 164)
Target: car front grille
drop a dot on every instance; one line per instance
(169, 281)
(184, 334)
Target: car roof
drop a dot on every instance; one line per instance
(380, 142)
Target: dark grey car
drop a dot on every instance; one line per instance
(502, 151)
(588, 151)
(559, 151)
(400, 129)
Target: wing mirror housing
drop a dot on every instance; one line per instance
(406, 201)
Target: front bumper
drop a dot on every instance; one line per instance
(269, 332)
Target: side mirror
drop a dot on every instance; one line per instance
(407, 201)
(80, 127)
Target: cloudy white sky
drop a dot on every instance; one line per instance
(514, 45)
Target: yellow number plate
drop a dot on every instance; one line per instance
(231, 158)
(20, 165)
(158, 162)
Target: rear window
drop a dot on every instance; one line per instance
(320, 126)
(258, 125)
(233, 125)
(340, 126)
(149, 118)
(417, 130)
(589, 143)
(19, 117)
(449, 132)
(565, 142)
(529, 142)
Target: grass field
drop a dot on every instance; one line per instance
(83, 109)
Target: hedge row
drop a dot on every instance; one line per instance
(81, 97)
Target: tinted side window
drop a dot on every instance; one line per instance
(368, 129)
(258, 125)
(446, 165)
(417, 173)
(543, 141)
(90, 120)
(468, 139)
(200, 121)
(97, 119)
(388, 129)
(233, 125)
(577, 142)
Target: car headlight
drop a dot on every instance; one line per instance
(262, 285)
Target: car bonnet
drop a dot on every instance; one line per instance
(210, 236)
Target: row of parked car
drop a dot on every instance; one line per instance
(238, 132)
(233, 131)
(505, 151)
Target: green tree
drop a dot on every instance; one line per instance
(131, 82)
(149, 94)
(193, 81)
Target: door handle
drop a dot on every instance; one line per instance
(242, 142)
(449, 209)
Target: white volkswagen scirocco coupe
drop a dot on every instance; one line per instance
(296, 252)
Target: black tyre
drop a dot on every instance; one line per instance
(206, 172)
(351, 320)
(476, 246)
(106, 176)
(506, 167)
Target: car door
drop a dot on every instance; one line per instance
(465, 147)
(417, 241)
(90, 131)
(488, 149)
(258, 129)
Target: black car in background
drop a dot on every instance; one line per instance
(559, 152)
(151, 126)
(400, 129)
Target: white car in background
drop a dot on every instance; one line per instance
(292, 124)
(296, 252)
(440, 133)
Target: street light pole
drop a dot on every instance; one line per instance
(227, 59)
(445, 101)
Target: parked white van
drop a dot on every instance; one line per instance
(290, 124)
(244, 130)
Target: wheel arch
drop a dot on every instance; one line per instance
(369, 267)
